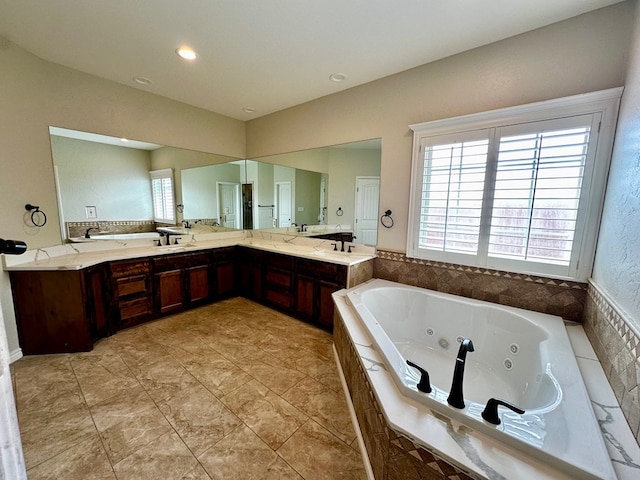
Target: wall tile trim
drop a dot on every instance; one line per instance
(616, 341)
(559, 297)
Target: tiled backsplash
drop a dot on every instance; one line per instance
(78, 229)
(617, 346)
(546, 295)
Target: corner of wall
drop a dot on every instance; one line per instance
(617, 345)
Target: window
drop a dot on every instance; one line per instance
(519, 189)
(162, 195)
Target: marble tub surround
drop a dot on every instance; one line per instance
(392, 425)
(617, 345)
(546, 295)
(230, 390)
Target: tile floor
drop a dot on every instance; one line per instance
(230, 390)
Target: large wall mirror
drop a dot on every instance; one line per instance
(334, 186)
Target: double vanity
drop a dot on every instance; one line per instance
(66, 297)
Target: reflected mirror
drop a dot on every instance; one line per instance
(104, 183)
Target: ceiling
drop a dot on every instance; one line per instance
(264, 55)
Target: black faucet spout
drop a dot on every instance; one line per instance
(456, 395)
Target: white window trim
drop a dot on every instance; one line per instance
(160, 174)
(605, 102)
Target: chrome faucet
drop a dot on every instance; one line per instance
(456, 397)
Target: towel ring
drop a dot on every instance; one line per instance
(37, 220)
(386, 219)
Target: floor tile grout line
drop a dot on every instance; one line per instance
(306, 346)
(102, 442)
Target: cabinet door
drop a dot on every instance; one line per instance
(199, 283)
(170, 294)
(97, 303)
(50, 312)
(326, 306)
(304, 296)
(226, 279)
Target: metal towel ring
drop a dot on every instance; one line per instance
(38, 221)
(386, 219)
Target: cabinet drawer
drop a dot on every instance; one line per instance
(283, 262)
(282, 299)
(331, 272)
(135, 308)
(224, 254)
(129, 269)
(278, 278)
(131, 286)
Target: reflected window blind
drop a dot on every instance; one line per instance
(536, 195)
(452, 193)
(162, 194)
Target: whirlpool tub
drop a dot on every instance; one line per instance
(520, 356)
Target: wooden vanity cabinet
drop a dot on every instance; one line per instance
(278, 280)
(97, 301)
(51, 311)
(225, 270)
(131, 301)
(181, 281)
(249, 262)
(315, 281)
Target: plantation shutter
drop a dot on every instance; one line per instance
(538, 186)
(162, 195)
(452, 192)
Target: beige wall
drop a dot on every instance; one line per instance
(35, 94)
(583, 54)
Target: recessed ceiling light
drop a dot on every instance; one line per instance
(249, 110)
(187, 53)
(142, 80)
(338, 77)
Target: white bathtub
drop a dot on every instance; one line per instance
(520, 356)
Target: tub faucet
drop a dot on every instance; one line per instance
(456, 397)
(86, 233)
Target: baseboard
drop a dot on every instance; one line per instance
(15, 355)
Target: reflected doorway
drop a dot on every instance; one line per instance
(229, 204)
(283, 204)
(247, 206)
(366, 214)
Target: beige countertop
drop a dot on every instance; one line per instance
(79, 256)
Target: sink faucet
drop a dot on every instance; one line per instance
(456, 397)
(86, 233)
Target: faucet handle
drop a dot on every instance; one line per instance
(424, 385)
(490, 412)
(335, 247)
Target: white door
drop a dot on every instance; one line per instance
(283, 203)
(366, 221)
(229, 204)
